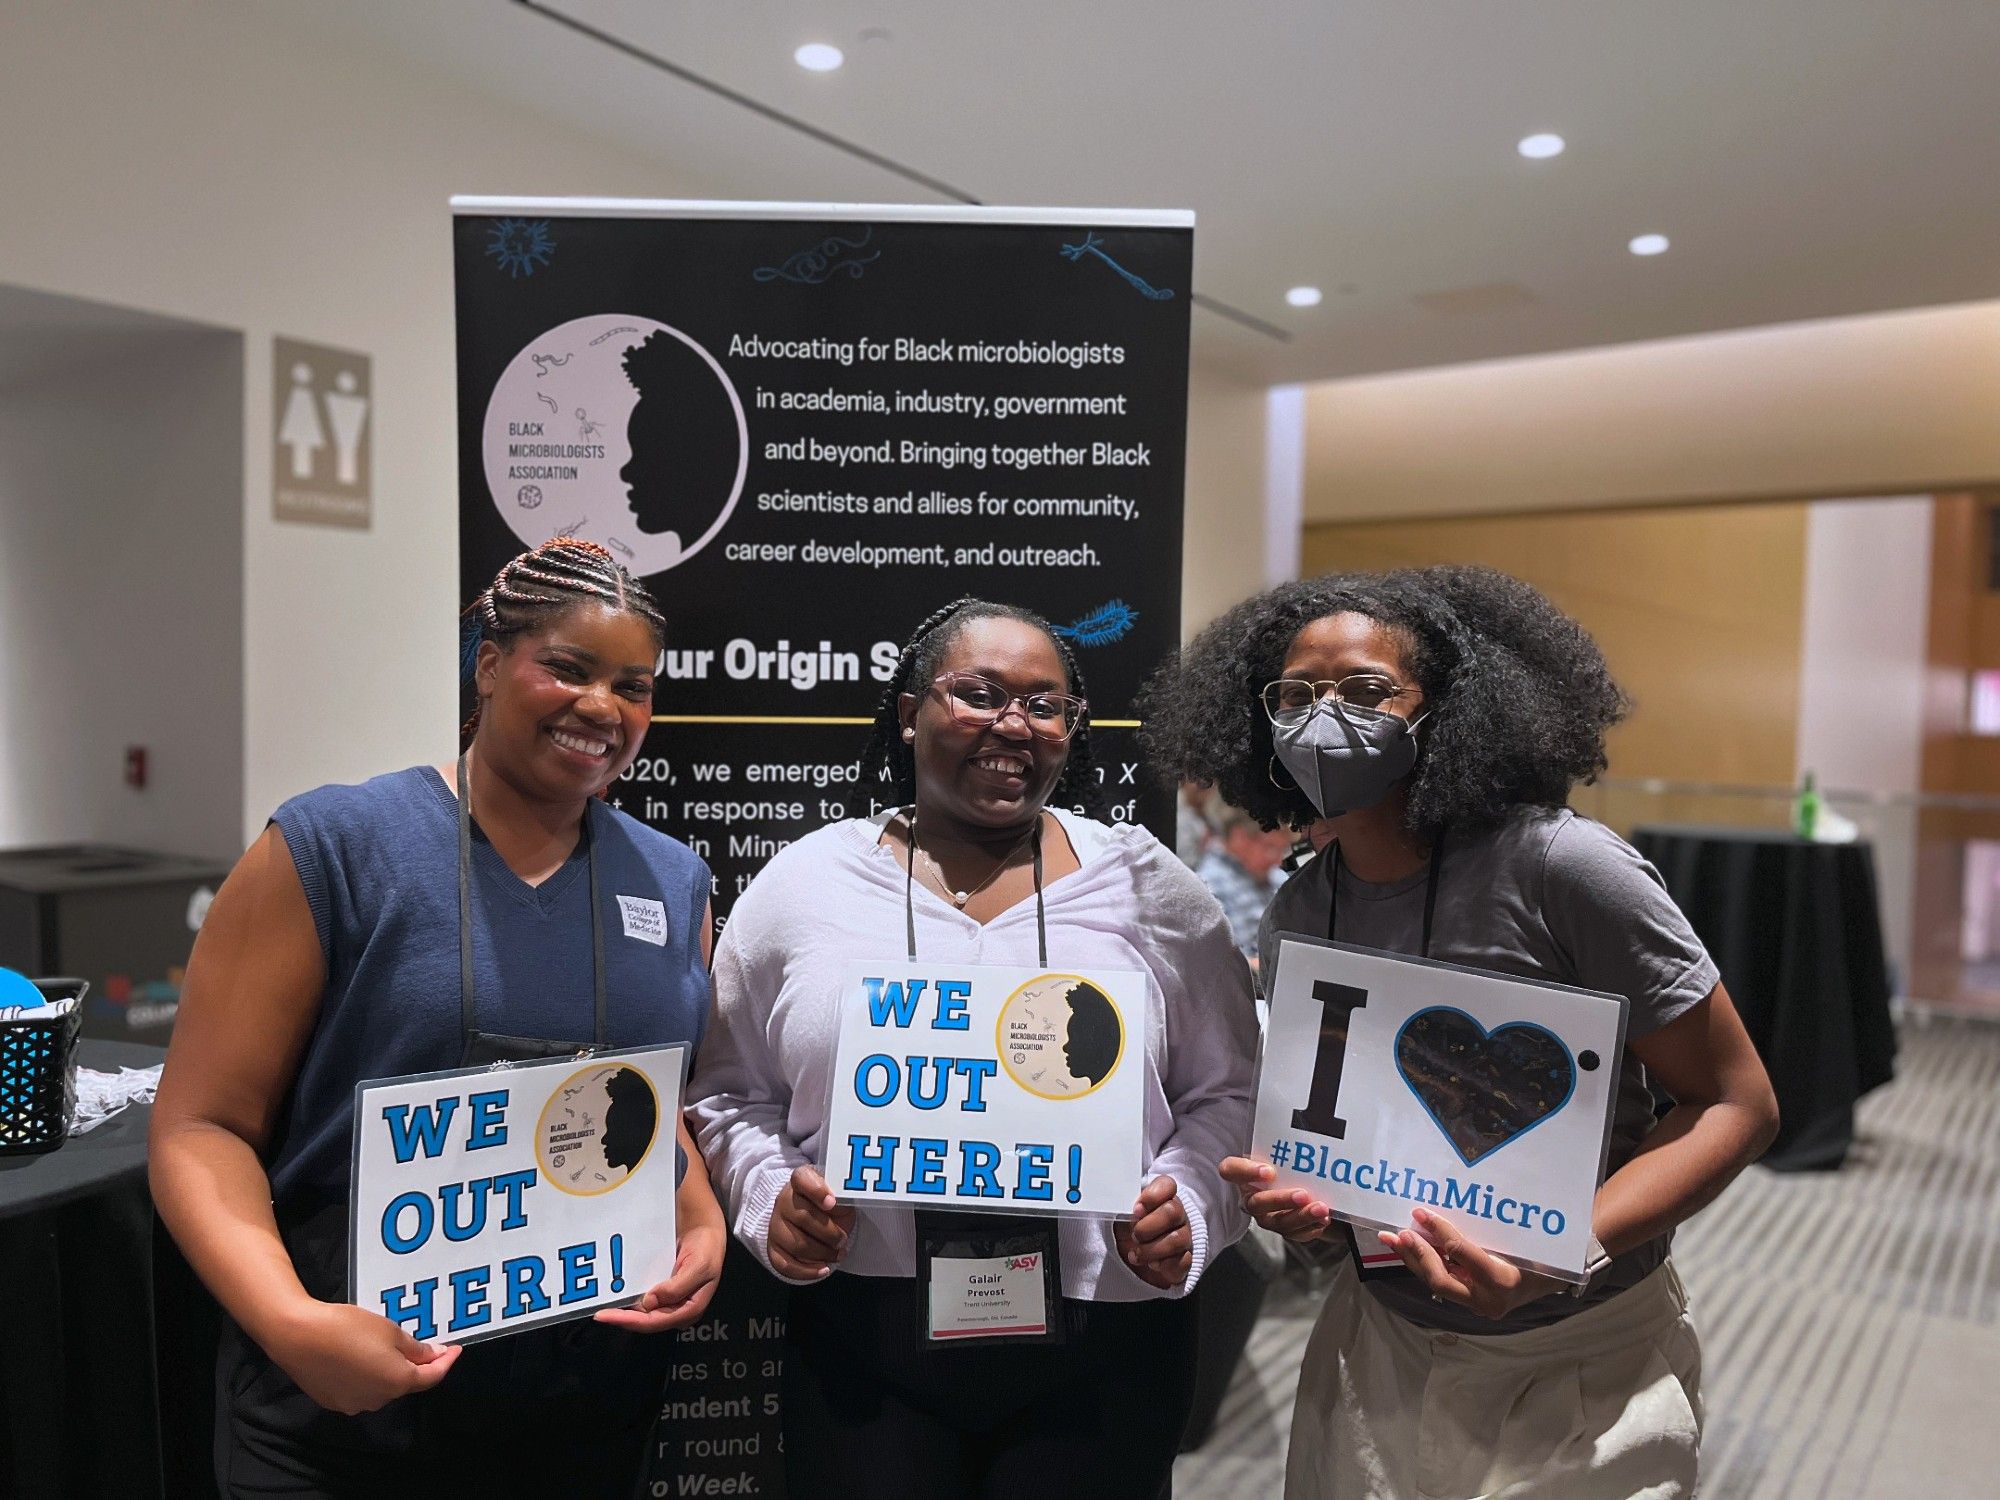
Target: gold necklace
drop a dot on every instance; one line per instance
(958, 897)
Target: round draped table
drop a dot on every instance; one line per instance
(1796, 930)
(81, 1341)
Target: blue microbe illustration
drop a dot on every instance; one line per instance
(1092, 245)
(1103, 625)
(817, 263)
(521, 246)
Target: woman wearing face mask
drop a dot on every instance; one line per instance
(982, 740)
(437, 917)
(1425, 728)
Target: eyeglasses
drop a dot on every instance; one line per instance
(1290, 696)
(979, 702)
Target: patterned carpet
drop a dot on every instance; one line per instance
(1848, 1319)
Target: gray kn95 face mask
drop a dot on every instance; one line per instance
(1343, 757)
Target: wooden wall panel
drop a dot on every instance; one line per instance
(1699, 610)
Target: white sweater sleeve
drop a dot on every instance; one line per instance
(1211, 1053)
(740, 1096)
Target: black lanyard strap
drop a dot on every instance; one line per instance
(466, 1007)
(910, 905)
(1431, 876)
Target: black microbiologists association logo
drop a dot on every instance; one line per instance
(1061, 1036)
(620, 429)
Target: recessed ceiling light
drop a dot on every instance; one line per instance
(819, 57)
(1649, 244)
(1540, 147)
(1303, 296)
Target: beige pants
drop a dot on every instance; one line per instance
(1603, 1404)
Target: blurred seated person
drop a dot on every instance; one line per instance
(1194, 827)
(1240, 867)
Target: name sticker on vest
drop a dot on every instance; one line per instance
(645, 920)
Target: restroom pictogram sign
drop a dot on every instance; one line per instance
(322, 434)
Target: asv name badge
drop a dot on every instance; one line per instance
(990, 1297)
(1387, 1082)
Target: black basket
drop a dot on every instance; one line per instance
(38, 1074)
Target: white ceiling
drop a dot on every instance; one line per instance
(1808, 158)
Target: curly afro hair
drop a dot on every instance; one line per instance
(1519, 695)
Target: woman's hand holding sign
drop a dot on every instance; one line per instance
(1157, 1243)
(1291, 1212)
(351, 1360)
(1457, 1270)
(809, 1229)
(682, 1297)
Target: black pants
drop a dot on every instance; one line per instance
(871, 1413)
(562, 1411)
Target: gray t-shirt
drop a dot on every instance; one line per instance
(1544, 895)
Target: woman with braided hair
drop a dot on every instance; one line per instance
(986, 854)
(432, 918)
(1424, 729)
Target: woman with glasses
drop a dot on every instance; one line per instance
(1424, 728)
(985, 855)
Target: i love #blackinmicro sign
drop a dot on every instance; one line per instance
(1390, 1082)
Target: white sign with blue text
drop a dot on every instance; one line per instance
(989, 1088)
(1387, 1082)
(488, 1200)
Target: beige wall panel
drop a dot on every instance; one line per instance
(1698, 609)
(1885, 404)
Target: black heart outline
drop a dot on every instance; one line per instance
(1485, 1039)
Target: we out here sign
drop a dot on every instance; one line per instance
(988, 1087)
(1388, 1082)
(487, 1200)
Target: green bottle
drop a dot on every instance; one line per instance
(1805, 809)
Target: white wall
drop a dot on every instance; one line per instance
(121, 591)
(1223, 560)
(217, 160)
(1862, 657)
(213, 160)
(1861, 675)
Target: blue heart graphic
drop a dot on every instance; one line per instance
(1483, 1089)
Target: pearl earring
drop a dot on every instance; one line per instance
(909, 734)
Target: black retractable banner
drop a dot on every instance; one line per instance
(806, 427)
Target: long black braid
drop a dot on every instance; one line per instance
(536, 587)
(890, 759)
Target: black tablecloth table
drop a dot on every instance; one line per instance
(77, 1361)
(1796, 930)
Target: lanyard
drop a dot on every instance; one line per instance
(465, 1005)
(1436, 868)
(910, 876)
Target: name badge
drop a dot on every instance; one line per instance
(988, 1278)
(645, 919)
(987, 1298)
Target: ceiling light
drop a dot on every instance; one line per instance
(1303, 296)
(819, 57)
(1540, 147)
(1649, 244)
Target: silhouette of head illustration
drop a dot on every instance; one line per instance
(1095, 1034)
(683, 436)
(630, 1121)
